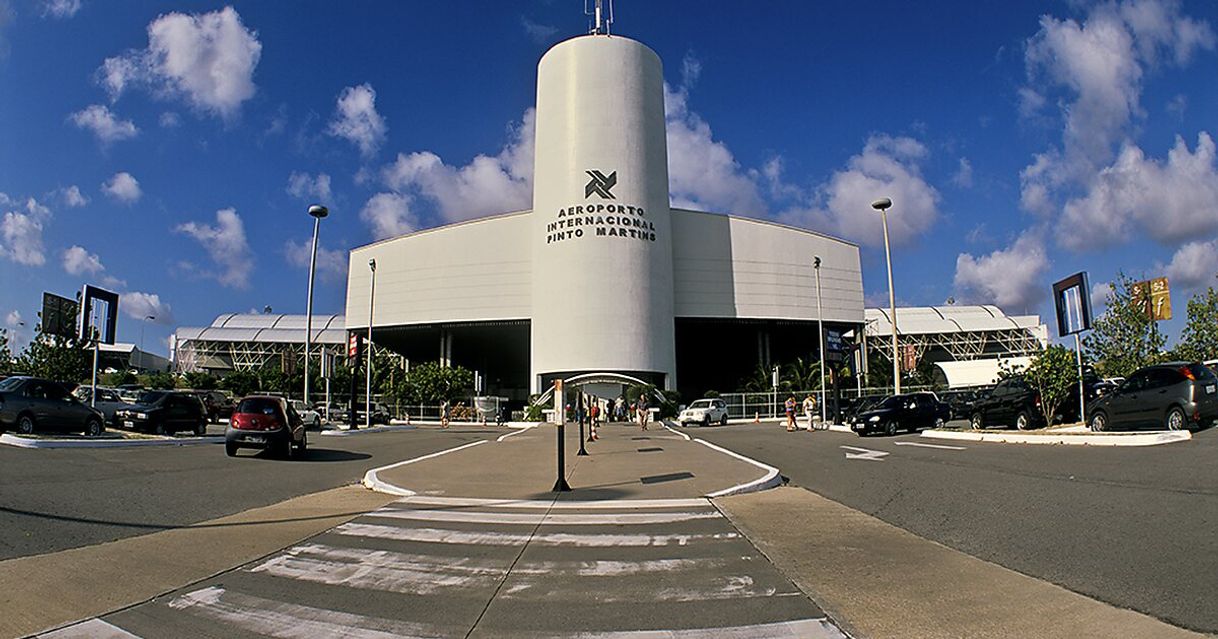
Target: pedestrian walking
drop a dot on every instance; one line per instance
(641, 410)
(444, 414)
(789, 405)
(809, 407)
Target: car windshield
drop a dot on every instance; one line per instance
(701, 403)
(892, 402)
(258, 406)
(10, 383)
(150, 397)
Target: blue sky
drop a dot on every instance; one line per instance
(169, 150)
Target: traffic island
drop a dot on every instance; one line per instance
(112, 439)
(1068, 436)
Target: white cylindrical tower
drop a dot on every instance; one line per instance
(602, 249)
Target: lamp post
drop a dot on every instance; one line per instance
(820, 329)
(882, 205)
(368, 382)
(144, 323)
(317, 212)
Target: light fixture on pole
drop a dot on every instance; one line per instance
(820, 329)
(882, 205)
(317, 212)
(368, 381)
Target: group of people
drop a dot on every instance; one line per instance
(791, 409)
(614, 410)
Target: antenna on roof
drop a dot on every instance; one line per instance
(602, 17)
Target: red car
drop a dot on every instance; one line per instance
(266, 422)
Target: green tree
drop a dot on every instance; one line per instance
(159, 381)
(63, 359)
(1053, 373)
(197, 380)
(239, 383)
(430, 383)
(118, 378)
(1123, 339)
(1199, 341)
(6, 354)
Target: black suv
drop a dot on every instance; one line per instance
(164, 413)
(911, 412)
(1170, 396)
(1011, 402)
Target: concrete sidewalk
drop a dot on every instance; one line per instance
(625, 463)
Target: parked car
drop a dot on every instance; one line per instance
(266, 422)
(704, 412)
(218, 404)
(165, 412)
(338, 413)
(1172, 396)
(908, 411)
(961, 402)
(310, 415)
(380, 414)
(1011, 402)
(108, 402)
(852, 407)
(29, 404)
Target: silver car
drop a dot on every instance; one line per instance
(1172, 396)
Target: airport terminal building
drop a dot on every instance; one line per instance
(601, 278)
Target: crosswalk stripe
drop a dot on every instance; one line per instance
(551, 519)
(620, 504)
(292, 621)
(91, 629)
(820, 628)
(442, 536)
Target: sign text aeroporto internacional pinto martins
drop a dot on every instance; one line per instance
(601, 219)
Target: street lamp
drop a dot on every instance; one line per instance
(317, 212)
(820, 328)
(368, 381)
(142, 325)
(882, 205)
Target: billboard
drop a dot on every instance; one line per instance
(58, 315)
(1072, 299)
(835, 349)
(1153, 297)
(98, 314)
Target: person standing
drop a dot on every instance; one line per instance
(809, 407)
(641, 409)
(444, 414)
(789, 405)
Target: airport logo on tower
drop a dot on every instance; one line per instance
(600, 185)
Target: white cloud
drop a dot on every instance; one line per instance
(356, 119)
(139, 306)
(170, 120)
(1099, 297)
(1009, 278)
(306, 187)
(389, 215)
(21, 232)
(104, 125)
(72, 197)
(18, 332)
(1170, 201)
(539, 33)
(963, 177)
(123, 187)
(226, 244)
(60, 8)
(1194, 265)
(209, 59)
(331, 264)
(887, 167)
(78, 261)
(702, 172)
(486, 185)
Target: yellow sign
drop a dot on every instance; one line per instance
(1154, 298)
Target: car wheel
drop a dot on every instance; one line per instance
(25, 425)
(201, 428)
(706, 422)
(1099, 422)
(288, 448)
(977, 421)
(890, 428)
(1023, 421)
(159, 429)
(303, 447)
(723, 422)
(939, 423)
(93, 427)
(1175, 419)
(230, 450)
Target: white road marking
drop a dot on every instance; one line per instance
(373, 481)
(441, 536)
(864, 453)
(721, 588)
(939, 446)
(619, 504)
(516, 432)
(291, 621)
(769, 480)
(801, 628)
(533, 519)
(91, 629)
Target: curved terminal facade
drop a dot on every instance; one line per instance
(602, 276)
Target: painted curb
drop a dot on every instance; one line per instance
(22, 442)
(771, 478)
(372, 480)
(1113, 439)
(365, 431)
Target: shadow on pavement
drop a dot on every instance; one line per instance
(156, 526)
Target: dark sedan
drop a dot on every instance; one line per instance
(165, 413)
(108, 402)
(909, 412)
(28, 404)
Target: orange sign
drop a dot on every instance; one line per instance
(1153, 297)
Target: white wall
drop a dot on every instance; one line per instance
(740, 267)
(477, 270)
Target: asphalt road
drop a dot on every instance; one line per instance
(55, 499)
(1136, 527)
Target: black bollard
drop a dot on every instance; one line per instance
(561, 486)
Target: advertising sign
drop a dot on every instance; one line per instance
(835, 349)
(1154, 298)
(98, 314)
(58, 315)
(909, 357)
(352, 345)
(1072, 299)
